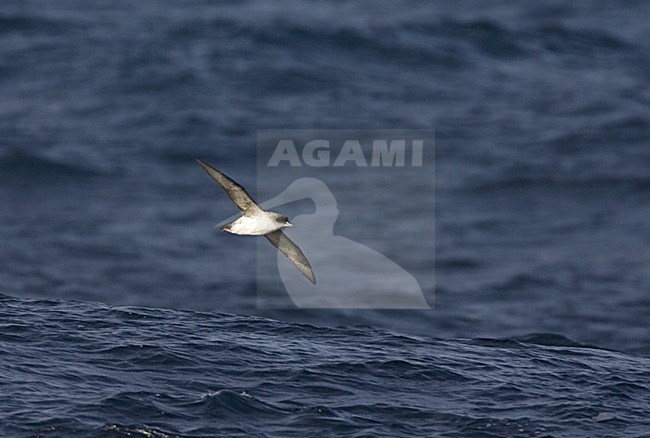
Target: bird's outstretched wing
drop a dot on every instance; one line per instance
(237, 193)
(293, 253)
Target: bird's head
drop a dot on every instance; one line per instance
(282, 220)
(285, 221)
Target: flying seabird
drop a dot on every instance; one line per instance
(257, 222)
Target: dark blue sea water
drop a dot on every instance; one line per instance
(87, 369)
(541, 299)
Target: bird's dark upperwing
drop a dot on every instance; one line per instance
(293, 253)
(237, 193)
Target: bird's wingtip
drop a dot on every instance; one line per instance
(205, 166)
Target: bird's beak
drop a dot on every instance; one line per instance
(288, 224)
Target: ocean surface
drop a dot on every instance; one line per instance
(88, 369)
(123, 312)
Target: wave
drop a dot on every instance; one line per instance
(36, 25)
(629, 132)
(552, 180)
(92, 369)
(434, 42)
(365, 44)
(557, 38)
(31, 165)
